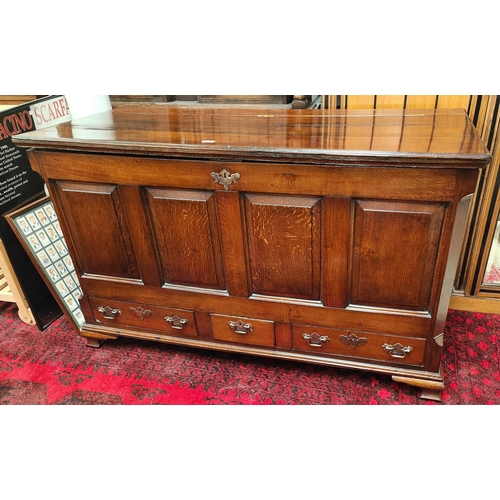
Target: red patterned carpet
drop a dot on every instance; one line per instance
(55, 367)
(492, 275)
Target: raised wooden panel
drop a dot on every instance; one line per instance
(394, 253)
(284, 245)
(97, 225)
(185, 227)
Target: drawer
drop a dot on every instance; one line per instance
(369, 346)
(240, 330)
(166, 319)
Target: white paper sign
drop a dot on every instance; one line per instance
(50, 112)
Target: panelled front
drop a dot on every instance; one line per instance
(374, 250)
(338, 250)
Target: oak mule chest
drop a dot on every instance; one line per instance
(330, 237)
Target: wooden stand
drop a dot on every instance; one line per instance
(10, 289)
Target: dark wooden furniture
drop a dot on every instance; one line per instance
(263, 100)
(294, 101)
(310, 235)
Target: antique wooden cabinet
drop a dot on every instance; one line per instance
(323, 236)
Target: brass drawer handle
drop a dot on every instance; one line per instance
(353, 340)
(109, 313)
(139, 311)
(176, 322)
(397, 350)
(314, 339)
(225, 178)
(240, 327)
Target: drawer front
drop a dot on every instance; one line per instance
(166, 319)
(240, 330)
(369, 346)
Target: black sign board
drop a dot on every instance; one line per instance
(20, 185)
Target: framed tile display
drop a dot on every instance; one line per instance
(37, 227)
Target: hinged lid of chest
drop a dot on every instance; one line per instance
(299, 136)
